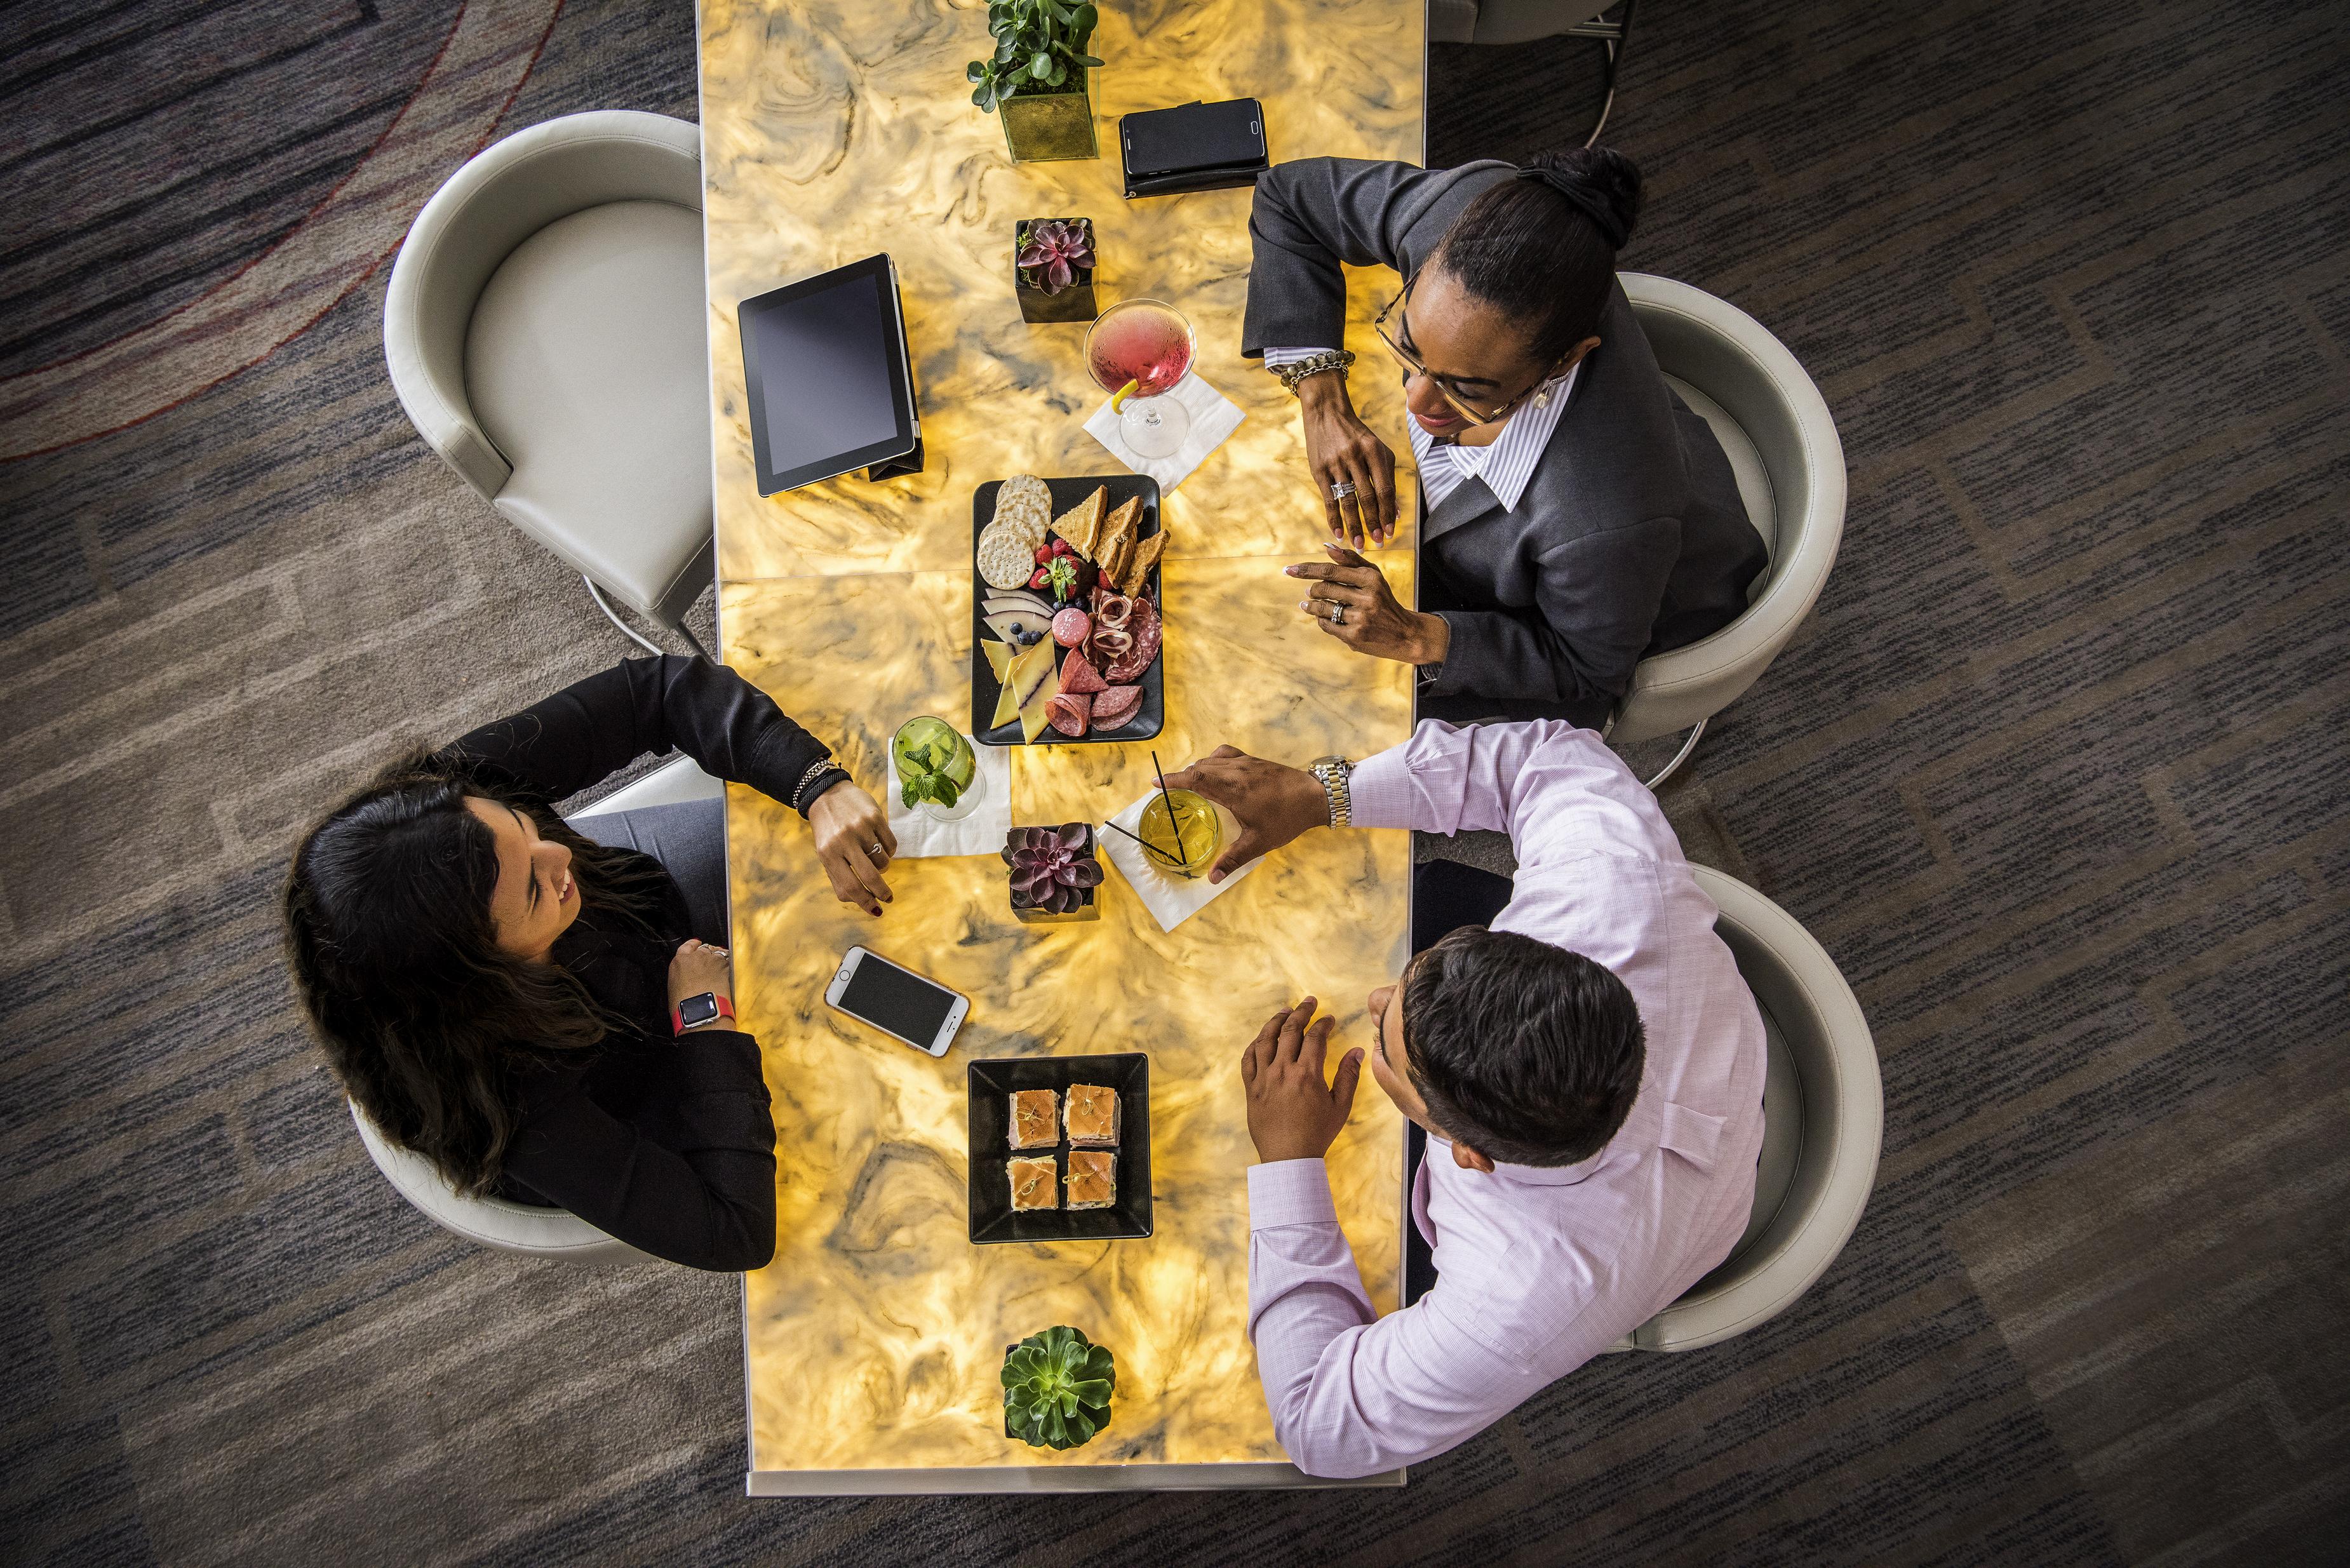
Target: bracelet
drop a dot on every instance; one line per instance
(1313, 365)
(815, 771)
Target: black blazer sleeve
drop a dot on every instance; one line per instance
(690, 1177)
(1595, 602)
(1311, 216)
(590, 730)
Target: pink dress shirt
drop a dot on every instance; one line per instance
(1540, 1269)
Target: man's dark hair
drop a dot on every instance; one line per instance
(1526, 1052)
(1542, 248)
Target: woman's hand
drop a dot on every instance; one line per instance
(1371, 619)
(854, 841)
(699, 967)
(1341, 449)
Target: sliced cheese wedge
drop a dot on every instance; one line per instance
(1027, 683)
(999, 656)
(1033, 677)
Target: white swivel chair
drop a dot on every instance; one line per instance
(1783, 448)
(544, 329)
(519, 1227)
(1823, 1124)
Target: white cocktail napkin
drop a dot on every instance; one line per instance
(981, 832)
(1171, 899)
(1214, 417)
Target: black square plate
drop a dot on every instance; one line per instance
(990, 1115)
(1148, 720)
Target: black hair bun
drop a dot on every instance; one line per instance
(1600, 181)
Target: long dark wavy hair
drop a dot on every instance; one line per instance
(395, 956)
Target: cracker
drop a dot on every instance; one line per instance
(1025, 506)
(1005, 559)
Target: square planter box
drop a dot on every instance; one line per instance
(1074, 303)
(1049, 126)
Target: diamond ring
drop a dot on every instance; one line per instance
(1341, 489)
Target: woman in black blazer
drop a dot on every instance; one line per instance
(501, 994)
(1580, 516)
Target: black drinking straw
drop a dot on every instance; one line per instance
(1182, 860)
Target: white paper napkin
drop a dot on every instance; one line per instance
(981, 832)
(1171, 899)
(1214, 417)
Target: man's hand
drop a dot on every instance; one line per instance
(1340, 447)
(854, 842)
(1273, 803)
(1371, 619)
(1291, 1114)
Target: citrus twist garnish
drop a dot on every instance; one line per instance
(1118, 399)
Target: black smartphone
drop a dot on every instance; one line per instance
(1193, 139)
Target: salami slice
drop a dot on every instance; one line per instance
(1069, 714)
(1130, 665)
(1078, 676)
(1116, 707)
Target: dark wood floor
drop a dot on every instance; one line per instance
(2054, 771)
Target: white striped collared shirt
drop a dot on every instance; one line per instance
(1505, 466)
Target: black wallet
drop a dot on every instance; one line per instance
(1193, 147)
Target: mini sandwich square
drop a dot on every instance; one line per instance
(1093, 1178)
(1090, 1115)
(1036, 1118)
(1035, 1183)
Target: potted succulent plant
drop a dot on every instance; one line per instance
(1054, 871)
(1053, 269)
(1037, 77)
(1056, 1389)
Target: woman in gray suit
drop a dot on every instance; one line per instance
(1578, 515)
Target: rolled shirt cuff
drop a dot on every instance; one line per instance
(1290, 1192)
(1275, 358)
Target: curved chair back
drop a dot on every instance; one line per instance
(508, 192)
(492, 1221)
(1782, 446)
(1823, 1123)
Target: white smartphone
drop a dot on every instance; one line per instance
(898, 1002)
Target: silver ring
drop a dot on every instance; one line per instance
(1341, 489)
(1337, 615)
(876, 852)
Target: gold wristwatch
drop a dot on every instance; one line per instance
(1336, 773)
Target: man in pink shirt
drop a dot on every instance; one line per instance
(1592, 1065)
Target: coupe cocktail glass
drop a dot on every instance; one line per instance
(1147, 344)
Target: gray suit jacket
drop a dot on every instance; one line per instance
(1630, 538)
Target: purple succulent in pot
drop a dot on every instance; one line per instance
(1053, 869)
(1053, 252)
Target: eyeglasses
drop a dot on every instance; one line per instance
(1412, 362)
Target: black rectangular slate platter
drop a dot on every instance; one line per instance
(989, 1113)
(1151, 717)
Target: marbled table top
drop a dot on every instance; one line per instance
(832, 130)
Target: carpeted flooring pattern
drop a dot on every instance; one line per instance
(2055, 772)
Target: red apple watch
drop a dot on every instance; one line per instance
(695, 1010)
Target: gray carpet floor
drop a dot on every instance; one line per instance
(2055, 772)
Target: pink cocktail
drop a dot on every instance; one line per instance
(1147, 344)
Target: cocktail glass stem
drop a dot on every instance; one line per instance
(1154, 427)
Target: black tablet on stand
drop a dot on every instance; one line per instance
(830, 384)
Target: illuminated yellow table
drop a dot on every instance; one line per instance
(873, 1341)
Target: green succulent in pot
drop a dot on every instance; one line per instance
(1056, 1389)
(1039, 44)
